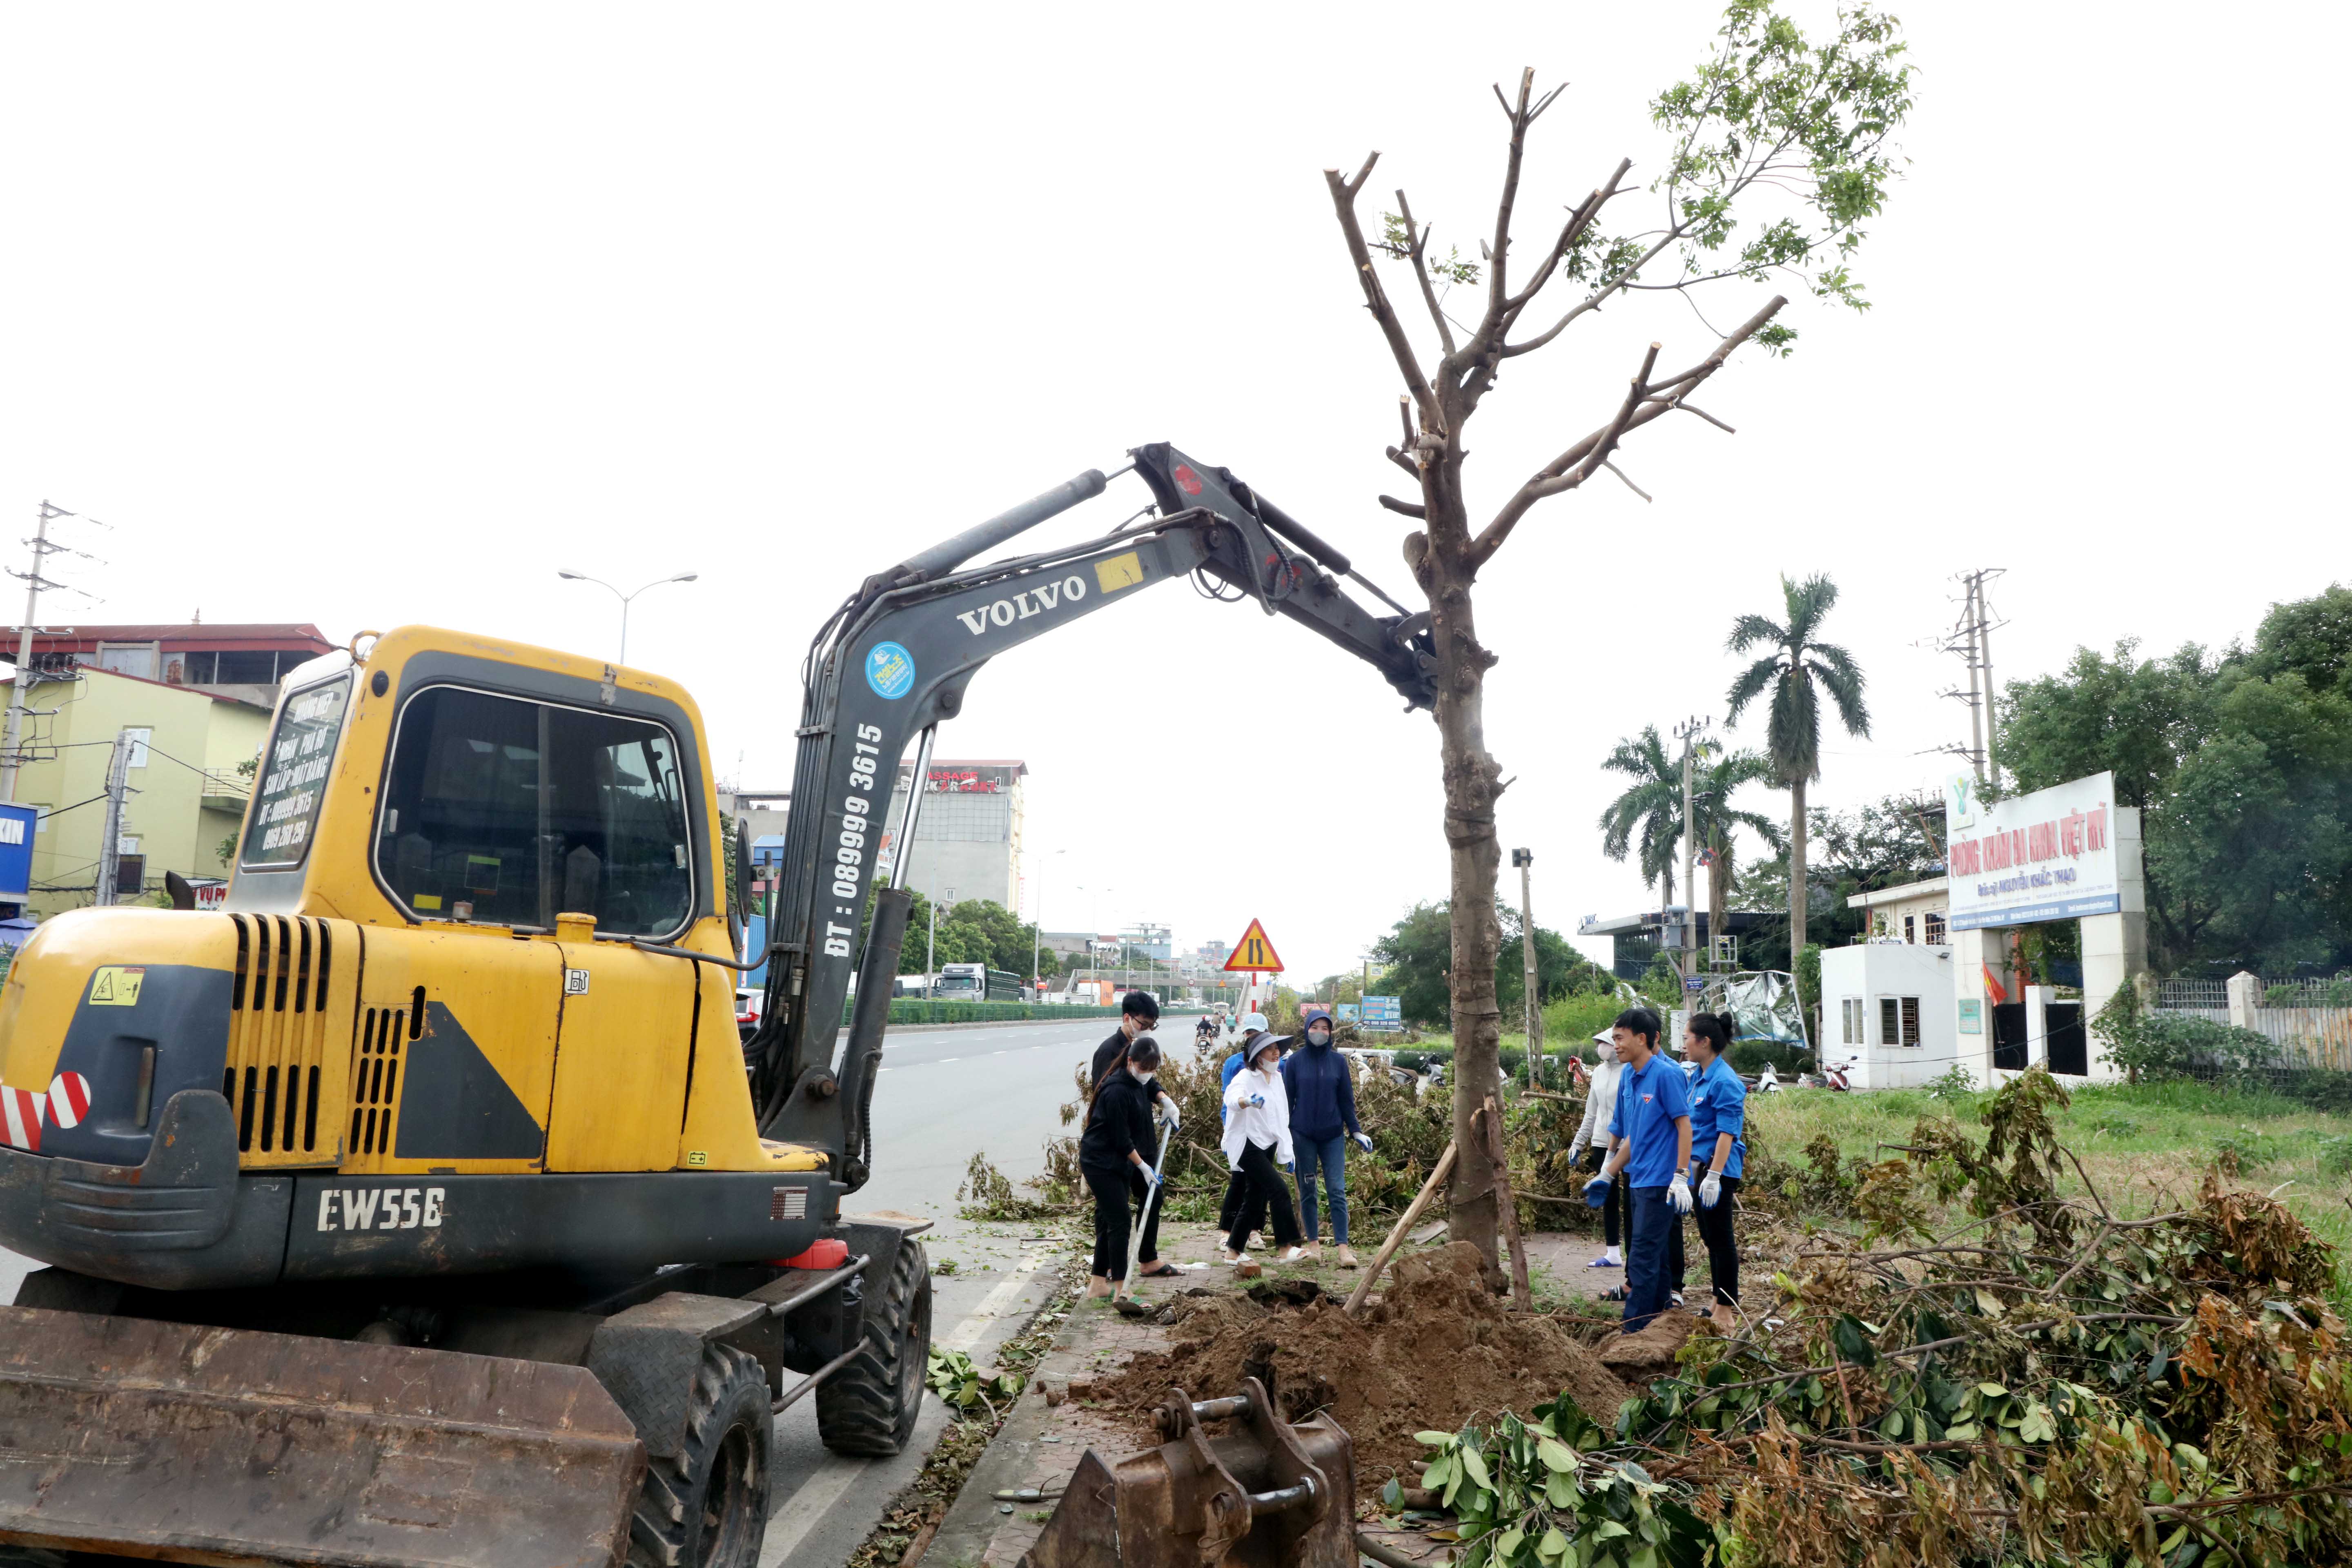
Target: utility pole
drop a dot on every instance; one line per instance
(34, 583)
(1984, 657)
(1523, 858)
(110, 849)
(1971, 639)
(1688, 733)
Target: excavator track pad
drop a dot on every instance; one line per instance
(223, 1445)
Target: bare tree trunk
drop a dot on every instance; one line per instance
(1796, 871)
(1470, 776)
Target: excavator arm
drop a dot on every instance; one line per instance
(894, 661)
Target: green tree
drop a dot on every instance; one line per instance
(2242, 766)
(1798, 668)
(1777, 152)
(1651, 807)
(1418, 953)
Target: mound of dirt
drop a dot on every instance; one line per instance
(1437, 1351)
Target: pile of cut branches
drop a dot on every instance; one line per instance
(2049, 1383)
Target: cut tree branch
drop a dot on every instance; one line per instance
(1402, 462)
(1405, 507)
(1417, 246)
(1376, 299)
(1651, 401)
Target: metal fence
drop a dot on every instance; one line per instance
(2208, 999)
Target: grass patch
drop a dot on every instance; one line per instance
(2146, 1146)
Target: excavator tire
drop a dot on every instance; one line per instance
(707, 1508)
(867, 1409)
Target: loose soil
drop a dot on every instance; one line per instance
(1435, 1351)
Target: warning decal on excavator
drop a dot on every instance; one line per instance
(1118, 572)
(117, 985)
(1254, 952)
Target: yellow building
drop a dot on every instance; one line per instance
(186, 795)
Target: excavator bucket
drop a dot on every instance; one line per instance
(1261, 1494)
(220, 1446)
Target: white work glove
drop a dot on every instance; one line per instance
(1168, 1113)
(1678, 1193)
(1258, 1101)
(1710, 1189)
(1575, 1150)
(1152, 1175)
(1364, 1142)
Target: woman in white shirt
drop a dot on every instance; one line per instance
(1600, 1104)
(1257, 1144)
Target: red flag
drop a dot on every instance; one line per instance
(2000, 992)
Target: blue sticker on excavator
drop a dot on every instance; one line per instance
(890, 669)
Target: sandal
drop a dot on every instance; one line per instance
(1159, 1271)
(1615, 1293)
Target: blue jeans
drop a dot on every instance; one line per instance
(1651, 1254)
(1329, 1156)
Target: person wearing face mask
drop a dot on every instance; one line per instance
(1229, 1212)
(1600, 1105)
(1115, 1154)
(1257, 1143)
(1138, 1012)
(1322, 1094)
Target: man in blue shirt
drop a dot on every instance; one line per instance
(1652, 1127)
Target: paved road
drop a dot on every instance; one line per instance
(944, 1095)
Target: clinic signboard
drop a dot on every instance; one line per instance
(1383, 1014)
(2046, 855)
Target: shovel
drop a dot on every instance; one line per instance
(1128, 1305)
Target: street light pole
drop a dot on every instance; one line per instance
(1688, 732)
(1523, 858)
(625, 598)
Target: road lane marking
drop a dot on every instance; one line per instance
(830, 1482)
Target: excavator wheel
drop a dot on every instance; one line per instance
(707, 1508)
(867, 1408)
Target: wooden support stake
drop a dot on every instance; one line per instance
(1494, 1135)
(1396, 1238)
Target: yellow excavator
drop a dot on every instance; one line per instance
(423, 1206)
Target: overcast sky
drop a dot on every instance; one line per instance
(364, 317)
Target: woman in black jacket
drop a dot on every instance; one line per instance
(1115, 1153)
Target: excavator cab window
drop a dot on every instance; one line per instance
(508, 812)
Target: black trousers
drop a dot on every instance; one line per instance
(1229, 1213)
(1267, 1189)
(1613, 1206)
(1115, 1194)
(1722, 1250)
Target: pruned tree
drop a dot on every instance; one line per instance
(1778, 151)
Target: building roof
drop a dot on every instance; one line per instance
(1928, 889)
(1734, 921)
(230, 636)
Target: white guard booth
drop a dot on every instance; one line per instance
(1886, 1011)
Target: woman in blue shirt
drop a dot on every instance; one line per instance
(1717, 1113)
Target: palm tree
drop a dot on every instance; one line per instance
(1652, 806)
(1718, 821)
(1793, 732)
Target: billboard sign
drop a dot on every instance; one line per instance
(17, 823)
(1384, 1013)
(2046, 855)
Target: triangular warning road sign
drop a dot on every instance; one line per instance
(1254, 952)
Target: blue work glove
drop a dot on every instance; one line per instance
(1596, 1192)
(1258, 1101)
(1364, 1142)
